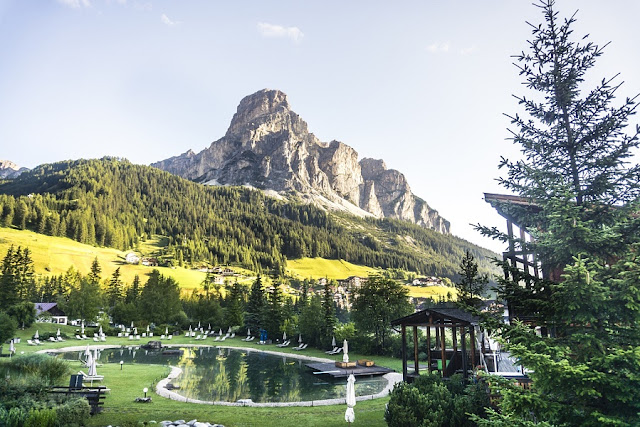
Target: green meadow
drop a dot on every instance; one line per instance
(127, 384)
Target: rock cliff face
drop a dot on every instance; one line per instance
(269, 147)
(9, 170)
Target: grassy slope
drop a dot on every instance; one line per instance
(126, 385)
(317, 268)
(54, 255)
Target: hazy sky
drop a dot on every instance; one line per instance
(422, 85)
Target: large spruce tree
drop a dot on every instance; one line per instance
(575, 171)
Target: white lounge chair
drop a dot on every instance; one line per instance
(284, 344)
(162, 337)
(233, 335)
(31, 342)
(52, 339)
(84, 337)
(78, 337)
(333, 351)
(59, 339)
(130, 337)
(169, 337)
(301, 347)
(86, 377)
(37, 341)
(198, 337)
(103, 338)
(96, 339)
(216, 339)
(137, 337)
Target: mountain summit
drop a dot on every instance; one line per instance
(268, 146)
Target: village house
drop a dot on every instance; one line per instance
(50, 312)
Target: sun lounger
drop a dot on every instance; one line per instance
(137, 337)
(84, 337)
(198, 337)
(103, 338)
(233, 335)
(96, 339)
(119, 334)
(86, 377)
(162, 337)
(52, 339)
(332, 351)
(284, 344)
(37, 341)
(169, 337)
(301, 347)
(78, 337)
(31, 342)
(130, 337)
(216, 339)
(59, 339)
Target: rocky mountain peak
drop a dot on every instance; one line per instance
(261, 104)
(10, 170)
(268, 146)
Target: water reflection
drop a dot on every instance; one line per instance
(224, 374)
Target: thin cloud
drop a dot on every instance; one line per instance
(467, 50)
(75, 3)
(167, 21)
(278, 31)
(438, 47)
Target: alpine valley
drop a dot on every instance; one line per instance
(273, 192)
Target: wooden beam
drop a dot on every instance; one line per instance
(463, 337)
(404, 353)
(473, 346)
(429, 347)
(443, 351)
(415, 351)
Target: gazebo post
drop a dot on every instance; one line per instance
(454, 332)
(429, 346)
(473, 346)
(443, 350)
(463, 337)
(404, 353)
(415, 351)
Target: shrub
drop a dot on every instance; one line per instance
(432, 401)
(15, 417)
(48, 368)
(73, 413)
(41, 418)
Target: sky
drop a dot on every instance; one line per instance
(423, 85)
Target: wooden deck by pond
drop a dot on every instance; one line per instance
(358, 371)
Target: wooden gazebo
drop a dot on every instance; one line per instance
(436, 321)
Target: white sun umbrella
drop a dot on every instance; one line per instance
(58, 333)
(209, 327)
(248, 332)
(284, 336)
(92, 368)
(345, 351)
(333, 341)
(87, 352)
(198, 324)
(349, 415)
(12, 348)
(135, 331)
(36, 336)
(147, 328)
(100, 331)
(89, 360)
(82, 328)
(190, 329)
(166, 330)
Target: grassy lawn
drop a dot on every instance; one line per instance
(54, 255)
(318, 268)
(433, 292)
(127, 384)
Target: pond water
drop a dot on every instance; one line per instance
(224, 374)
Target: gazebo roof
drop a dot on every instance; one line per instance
(440, 315)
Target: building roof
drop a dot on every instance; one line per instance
(42, 307)
(440, 315)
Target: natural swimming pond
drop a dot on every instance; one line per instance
(223, 374)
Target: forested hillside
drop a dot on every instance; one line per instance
(111, 202)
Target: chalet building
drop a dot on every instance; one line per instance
(353, 282)
(150, 262)
(427, 281)
(52, 311)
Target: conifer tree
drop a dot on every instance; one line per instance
(253, 316)
(328, 312)
(94, 274)
(583, 195)
(114, 289)
(471, 283)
